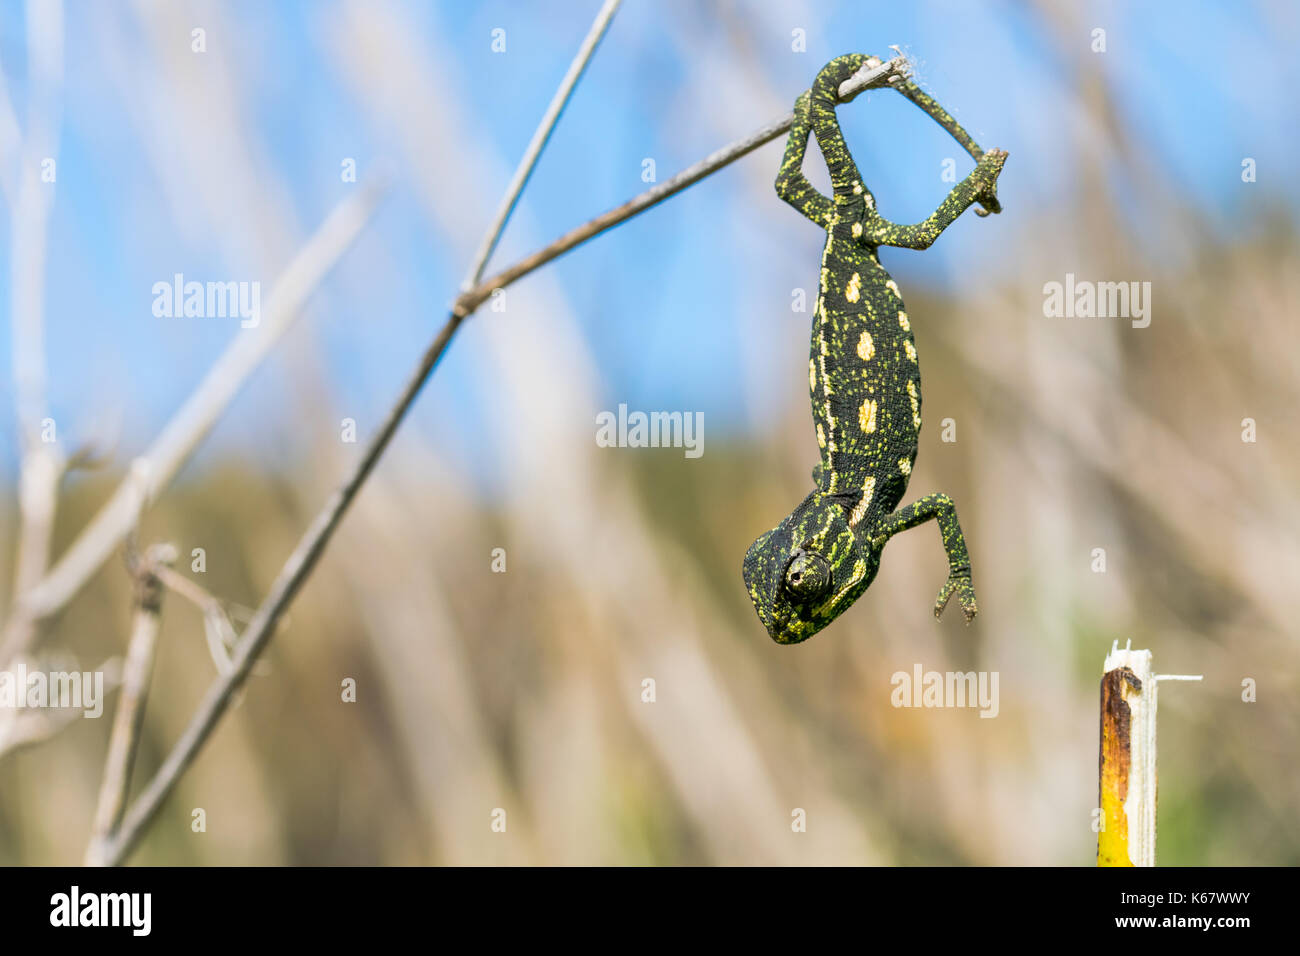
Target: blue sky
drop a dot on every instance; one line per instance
(1203, 85)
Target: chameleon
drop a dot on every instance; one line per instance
(864, 384)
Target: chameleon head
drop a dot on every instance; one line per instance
(808, 569)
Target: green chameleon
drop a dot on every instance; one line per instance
(864, 383)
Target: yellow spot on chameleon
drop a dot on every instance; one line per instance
(866, 348)
(853, 288)
(857, 230)
(812, 375)
(904, 466)
(871, 202)
(892, 286)
(867, 416)
(868, 489)
(857, 189)
(916, 404)
(821, 437)
(910, 349)
(902, 321)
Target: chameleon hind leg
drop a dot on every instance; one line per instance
(791, 184)
(941, 508)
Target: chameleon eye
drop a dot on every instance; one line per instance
(808, 577)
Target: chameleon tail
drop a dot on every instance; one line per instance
(941, 116)
(825, 93)
(945, 119)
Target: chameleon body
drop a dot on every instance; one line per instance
(864, 383)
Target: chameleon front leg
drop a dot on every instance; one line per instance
(978, 186)
(941, 507)
(791, 184)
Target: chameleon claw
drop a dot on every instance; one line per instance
(994, 160)
(989, 203)
(959, 583)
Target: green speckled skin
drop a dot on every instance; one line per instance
(864, 383)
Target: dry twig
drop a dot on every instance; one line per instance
(41, 466)
(129, 720)
(154, 470)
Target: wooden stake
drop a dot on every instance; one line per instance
(1127, 760)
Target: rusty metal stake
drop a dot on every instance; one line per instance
(1127, 761)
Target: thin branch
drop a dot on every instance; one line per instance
(10, 142)
(316, 538)
(30, 222)
(538, 143)
(218, 629)
(152, 472)
(41, 466)
(125, 739)
(866, 78)
(20, 729)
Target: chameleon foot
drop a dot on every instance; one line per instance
(958, 583)
(987, 197)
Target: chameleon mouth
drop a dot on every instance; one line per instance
(758, 577)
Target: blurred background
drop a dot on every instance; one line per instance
(523, 690)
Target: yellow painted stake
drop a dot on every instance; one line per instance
(1127, 762)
